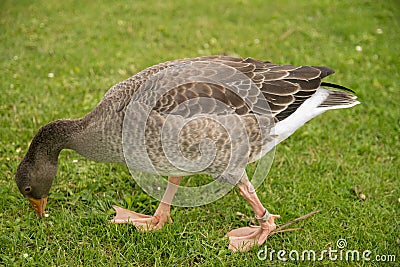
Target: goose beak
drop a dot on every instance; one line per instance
(38, 205)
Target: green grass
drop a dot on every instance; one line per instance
(90, 47)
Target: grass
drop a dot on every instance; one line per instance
(58, 58)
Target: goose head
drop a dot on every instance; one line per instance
(34, 180)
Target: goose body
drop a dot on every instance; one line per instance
(100, 137)
(244, 110)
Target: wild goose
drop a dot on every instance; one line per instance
(241, 107)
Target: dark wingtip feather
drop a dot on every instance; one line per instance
(337, 86)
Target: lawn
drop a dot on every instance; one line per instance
(58, 58)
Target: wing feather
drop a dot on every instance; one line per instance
(285, 87)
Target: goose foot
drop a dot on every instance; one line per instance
(161, 216)
(141, 221)
(244, 238)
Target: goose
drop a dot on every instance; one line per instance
(210, 115)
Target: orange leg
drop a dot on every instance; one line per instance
(244, 238)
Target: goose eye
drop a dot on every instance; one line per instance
(27, 189)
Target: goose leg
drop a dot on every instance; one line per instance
(160, 217)
(244, 238)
